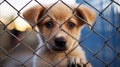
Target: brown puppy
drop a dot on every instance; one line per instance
(60, 34)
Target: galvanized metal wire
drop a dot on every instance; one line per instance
(20, 41)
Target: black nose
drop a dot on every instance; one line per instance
(60, 42)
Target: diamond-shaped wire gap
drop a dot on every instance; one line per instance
(29, 56)
(103, 28)
(101, 60)
(91, 8)
(84, 35)
(82, 19)
(8, 41)
(61, 61)
(14, 36)
(70, 6)
(96, 41)
(25, 5)
(45, 14)
(46, 3)
(40, 36)
(39, 58)
(10, 51)
(40, 23)
(18, 4)
(21, 25)
(22, 53)
(105, 5)
(20, 29)
(113, 42)
(93, 4)
(62, 23)
(70, 51)
(8, 14)
(111, 11)
(97, 63)
(30, 39)
(29, 5)
(107, 55)
(106, 19)
(24, 27)
(11, 5)
(69, 35)
(55, 3)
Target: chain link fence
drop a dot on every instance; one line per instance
(18, 41)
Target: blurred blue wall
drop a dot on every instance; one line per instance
(103, 44)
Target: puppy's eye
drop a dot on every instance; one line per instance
(49, 24)
(71, 25)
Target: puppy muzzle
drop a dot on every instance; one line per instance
(60, 44)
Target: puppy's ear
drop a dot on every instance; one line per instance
(32, 14)
(86, 14)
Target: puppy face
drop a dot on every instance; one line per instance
(59, 26)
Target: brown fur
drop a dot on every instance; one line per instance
(60, 15)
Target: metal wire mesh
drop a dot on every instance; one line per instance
(20, 50)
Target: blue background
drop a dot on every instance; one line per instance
(102, 44)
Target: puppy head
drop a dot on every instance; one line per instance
(59, 25)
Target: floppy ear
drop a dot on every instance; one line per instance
(32, 14)
(86, 14)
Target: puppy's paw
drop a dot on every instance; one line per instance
(77, 62)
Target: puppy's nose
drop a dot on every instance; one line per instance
(60, 42)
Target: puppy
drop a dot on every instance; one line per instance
(59, 29)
